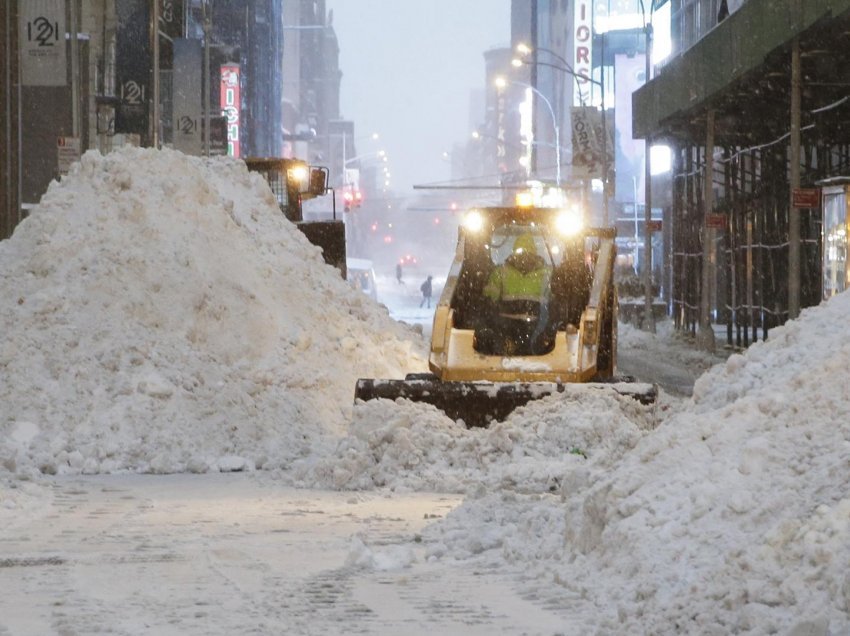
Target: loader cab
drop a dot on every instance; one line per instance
(519, 279)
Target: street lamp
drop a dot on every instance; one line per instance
(525, 50)
(373, 137)
(478, 136)
(381, 154)
(501, 82)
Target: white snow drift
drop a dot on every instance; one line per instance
(160, 314)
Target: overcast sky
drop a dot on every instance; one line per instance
(408, 69)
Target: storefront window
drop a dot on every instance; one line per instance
(834, 242)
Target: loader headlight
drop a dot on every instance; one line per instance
(524, 199)
(300, 177)
(569, 222)
(473, 221)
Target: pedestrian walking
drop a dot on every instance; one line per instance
(426, 293)
(398, 273)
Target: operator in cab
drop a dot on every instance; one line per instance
(517, 292)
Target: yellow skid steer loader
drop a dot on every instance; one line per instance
(529, 306)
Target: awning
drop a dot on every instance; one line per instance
(742, 69)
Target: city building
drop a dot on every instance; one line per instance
(10, 134)
(271, 91)
(754, 103)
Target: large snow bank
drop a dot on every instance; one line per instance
(160, 314)
(731, 517)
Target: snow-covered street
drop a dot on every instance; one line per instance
(225, 554)
(179, 452)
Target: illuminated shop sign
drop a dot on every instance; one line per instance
(230, 105)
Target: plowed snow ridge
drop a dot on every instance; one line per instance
(160, 314)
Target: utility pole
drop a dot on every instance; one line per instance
(705, 336)
(155, 48)
(793, 212)
(605, 167)
(649, 316)
(207, 24)
(533, 80)
(75, 75)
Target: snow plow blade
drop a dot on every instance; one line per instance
(481, 403)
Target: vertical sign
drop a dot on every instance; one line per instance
(133, 67)
(42, 37)
(188, 92)
(586, 155)
(583, 43)
(230, 105)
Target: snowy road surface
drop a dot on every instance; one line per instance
(238, 554)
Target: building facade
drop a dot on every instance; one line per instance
(757, 113)
(120, 82)
(10, 137)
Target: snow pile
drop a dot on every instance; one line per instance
(732, 517)
(412, 446)
(812, 350)
(160, 314)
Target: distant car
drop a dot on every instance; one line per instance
(361, 275)
(407, 259)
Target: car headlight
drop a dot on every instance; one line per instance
(569, 222)
(473, 221)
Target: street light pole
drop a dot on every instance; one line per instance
(554, 125)
(155, 114)
(207, 25)
(76, 125)
(647, 212)
(568, 69)
(380, 153)
(649, 317)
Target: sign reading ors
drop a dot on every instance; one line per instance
(583, 47)
(42, 37)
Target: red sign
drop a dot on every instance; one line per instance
(230, 105)
(654, 226)
(805, 197)
(715, 221)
